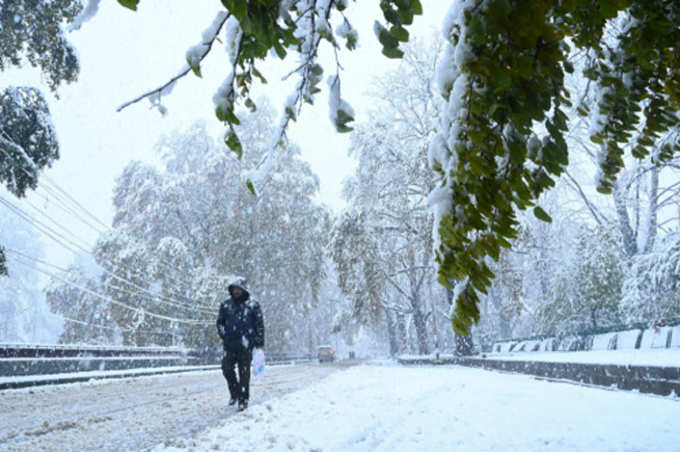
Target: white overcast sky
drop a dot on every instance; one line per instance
(124, 53)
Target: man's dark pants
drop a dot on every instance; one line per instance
(239, 389)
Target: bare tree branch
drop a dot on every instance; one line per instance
(593, 210)
(183, 72)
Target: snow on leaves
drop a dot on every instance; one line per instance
(32, 31)
(184, 231)
(258, 29)
(503, 77)
(28, 141)
(501, 141)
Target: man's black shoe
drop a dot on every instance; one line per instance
(232, 401)
(242, 405)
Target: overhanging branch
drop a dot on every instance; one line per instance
(185, 70)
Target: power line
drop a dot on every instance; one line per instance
(71, 211)
(59, 238)
(176, 296)
(47, 189)
(54, 222)
(159, 262)
(74, 201)
(141, 311)
(115, 329)
(41, 226)
(66, 208)
(122, 289)
(106, 228)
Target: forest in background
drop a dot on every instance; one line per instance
(182, 230)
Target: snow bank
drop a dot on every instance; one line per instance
(653, 357)
(379, 408)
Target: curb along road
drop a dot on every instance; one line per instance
(663, 381)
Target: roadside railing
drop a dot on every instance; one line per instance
(665, 334)
(26, 360)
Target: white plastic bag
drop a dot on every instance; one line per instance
(258, 361)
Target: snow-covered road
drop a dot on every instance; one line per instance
(447, 408)
(133, 413)
(327, 407)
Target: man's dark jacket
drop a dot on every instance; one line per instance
(239, 322)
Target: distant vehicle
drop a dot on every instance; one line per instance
(325, 353)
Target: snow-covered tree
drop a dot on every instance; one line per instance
(652, 287)
(382, 244)
(642, 210)
(182, 232)
(28, 141)
(87, 318)
(32, 32)
(501, 140)
(585, 291)
(24, 315)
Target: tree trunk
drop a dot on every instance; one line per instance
(401, 333)
(421, 330)
(629, 241)
(504, 327)
(464, 346)
(650, 225)
(593, 316)
(392, 332)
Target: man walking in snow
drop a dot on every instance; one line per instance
(241, 327)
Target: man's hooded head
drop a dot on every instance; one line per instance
(239, 289)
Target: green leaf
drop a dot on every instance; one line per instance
(234, 143)
(458, 326)
(387, 39)
(291, 113)
(257, 74)
(400, 33)
(239, 8)
(501, 7)
(246, 25)
(477, 29)
(196, 69)
(391, 15)
(317, 70)
(406, 16)
(341, 121)
(250, 105)
(497, 107)
(542, 215)
(392, 52)
(280, 51)
(501, 77)
(132, 4)
(251, 187)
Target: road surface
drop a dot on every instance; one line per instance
(133, 413)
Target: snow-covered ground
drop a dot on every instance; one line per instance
(381, 406)
(132, 413)
(668, 357)
(446, 408)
